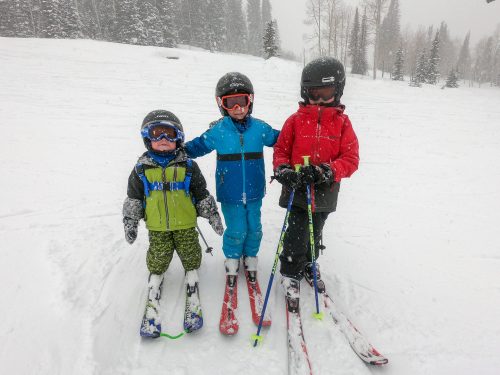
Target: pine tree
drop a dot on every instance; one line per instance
(254, 18)
(236, 40)
(464, 58)
(271, 40)
(363, 46)
(432, 75)
(71, 24)
(152, 31)
(354, 45)
(216, 27)
(50, 19)
(398, 69)
(167, 13)
(421, 71)
(266, 14)
(15, 19)
(452, 79)
(390, 34)
(129, 23)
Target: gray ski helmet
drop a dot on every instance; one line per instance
(324, 71)
(233, 83)
(160, 115)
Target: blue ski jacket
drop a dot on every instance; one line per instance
(240, 175)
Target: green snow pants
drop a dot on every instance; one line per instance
(163, 244)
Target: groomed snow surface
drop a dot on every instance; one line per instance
(412, 254)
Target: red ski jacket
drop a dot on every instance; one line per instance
(323, 133)
(327, 136)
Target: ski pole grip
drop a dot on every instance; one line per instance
(297, 167)
(306, 159)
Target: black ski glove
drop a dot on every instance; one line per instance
(130, 226)
(314, 174)
(287, 176)
(216, 223)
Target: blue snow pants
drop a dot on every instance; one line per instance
(243, 229)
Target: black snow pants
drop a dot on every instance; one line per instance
(296, 250)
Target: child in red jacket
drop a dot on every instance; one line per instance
(320, 130)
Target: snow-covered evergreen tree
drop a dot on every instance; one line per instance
(129, 22)
(421, 70)
(354, 43)
(167, 12)
(271, 40)
(452, 79)
(464, 58)
(71, 24)
(363, 46)
(16, 19)
(215, 25)
(254, 18)
(266, 13)
(192, 23)
(399, 63)
(432, 75)
(152, 31)
(50, 19)
(236, 40)
(390, 35)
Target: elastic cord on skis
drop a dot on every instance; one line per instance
(172, 337)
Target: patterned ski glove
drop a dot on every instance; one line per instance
(207, 208)
(130, 226)
(287, 176)
(216, 223)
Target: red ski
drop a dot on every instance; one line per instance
(256, 300)
(228, 324)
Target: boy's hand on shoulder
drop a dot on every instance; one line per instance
(216, 223)
(130, 226)
(287, 176)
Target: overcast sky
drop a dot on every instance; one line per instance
(460, 15)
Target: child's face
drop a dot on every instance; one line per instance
(163, 145)
(238, 113)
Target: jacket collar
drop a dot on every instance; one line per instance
(180, 156)
(311, 109)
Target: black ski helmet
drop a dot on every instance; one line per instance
(161, 115)
(233, 83)
(323, 71)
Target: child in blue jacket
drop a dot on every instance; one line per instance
(239, 140)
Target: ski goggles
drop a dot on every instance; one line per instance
(323, 92)
(157, 130)
(229, 102)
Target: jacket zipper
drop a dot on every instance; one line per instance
(318, 133)
(244, 196)
(164, 178)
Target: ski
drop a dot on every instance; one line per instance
(151, 325)
(256, 300)
(356, 339)
(193, 317)
(228, 324)
(298, 357)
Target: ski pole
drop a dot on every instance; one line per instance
(257, 336)
(208, 249)
(318, 315)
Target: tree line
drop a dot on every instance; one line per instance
(216, 25)
(426, 55)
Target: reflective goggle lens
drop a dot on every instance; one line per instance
(155, 132)
(231, 101)
(162, 129)
(324, 92)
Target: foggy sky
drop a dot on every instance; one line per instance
(460, 15)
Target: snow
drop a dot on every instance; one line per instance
(412, 252)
